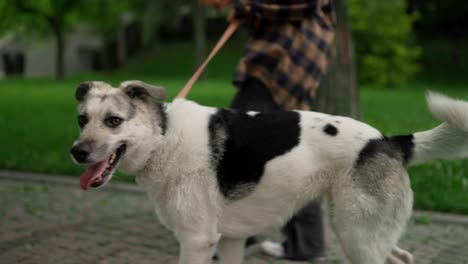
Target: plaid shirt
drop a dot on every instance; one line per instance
(287, 47)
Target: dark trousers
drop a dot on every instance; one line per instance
(304, 237)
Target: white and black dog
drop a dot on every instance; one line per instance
(217, 176)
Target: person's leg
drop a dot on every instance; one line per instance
(304, 235)
(253, 95)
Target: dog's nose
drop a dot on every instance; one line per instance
(79, 153)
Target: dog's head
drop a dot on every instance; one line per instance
(115, 124)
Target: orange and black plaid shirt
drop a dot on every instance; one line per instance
(287, 47)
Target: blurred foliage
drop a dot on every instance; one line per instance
(8, 20)
(384, 31)
(444, 60)
(104, 15)
(386, 52)
(442, 18)
(34, 15)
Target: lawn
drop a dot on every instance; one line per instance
(38, 120)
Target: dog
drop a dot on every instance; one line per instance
(217, 176)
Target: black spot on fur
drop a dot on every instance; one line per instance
(398, 147)
(241, 145)
(405, 145)
(82, 90)
(135, 91)
(162, 117)
(330, 130)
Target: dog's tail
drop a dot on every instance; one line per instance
(449, 140)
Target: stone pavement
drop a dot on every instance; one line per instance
(50, 220)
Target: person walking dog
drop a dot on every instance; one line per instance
(284, 60)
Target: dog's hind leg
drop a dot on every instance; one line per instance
(362, 244)
(231, 251)
(370, 224)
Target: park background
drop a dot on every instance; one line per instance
(388, 54)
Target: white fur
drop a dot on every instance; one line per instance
(446, 109)
(176, 171)
(449, 140)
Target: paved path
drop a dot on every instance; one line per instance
(53, 221)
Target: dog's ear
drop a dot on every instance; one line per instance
(82, 90)
(139, 89)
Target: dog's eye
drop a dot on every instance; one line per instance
(113, 121)
(82, 120)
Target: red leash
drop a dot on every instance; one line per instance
(224, 38)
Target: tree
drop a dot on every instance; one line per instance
(339, 93)
(106, 17)
(151, 20)
(57, 16)
(51, 13)
(199, 32)
(386, 51)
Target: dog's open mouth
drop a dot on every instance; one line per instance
(99, 173)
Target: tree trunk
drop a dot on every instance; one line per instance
(199, 32)
(151, 20)
(60, 50)
(339, 94)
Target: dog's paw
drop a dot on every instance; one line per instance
(400, 256)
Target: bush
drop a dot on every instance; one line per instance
(386, 53)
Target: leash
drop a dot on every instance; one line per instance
(224, 38)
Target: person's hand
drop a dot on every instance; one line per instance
(217, 3)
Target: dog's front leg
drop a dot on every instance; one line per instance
(231, 250)
(197, 248)
(194, 212)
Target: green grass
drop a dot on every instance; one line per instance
(38, 118)
(38, 125)
(440, 185)
(176, 61)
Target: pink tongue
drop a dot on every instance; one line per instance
(92, 173)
